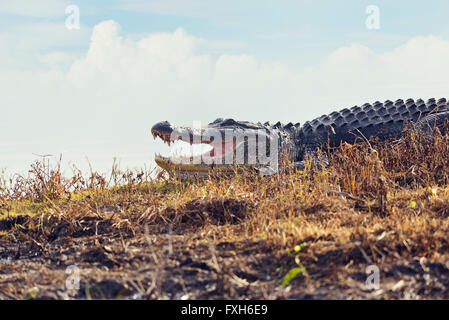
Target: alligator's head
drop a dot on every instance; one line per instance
(231, 144)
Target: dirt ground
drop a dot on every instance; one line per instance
(114, 261)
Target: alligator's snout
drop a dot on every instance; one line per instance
(162, 130)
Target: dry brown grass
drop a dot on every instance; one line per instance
(377, 203)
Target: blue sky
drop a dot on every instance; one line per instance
(270, 29)
(96, 91)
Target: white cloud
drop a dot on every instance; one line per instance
(121, 87)
(33, 8)
(222, 46)
(416, 69)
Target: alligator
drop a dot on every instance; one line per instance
(259, 146)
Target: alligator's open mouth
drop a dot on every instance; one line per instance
(223, 146)
(197, 150)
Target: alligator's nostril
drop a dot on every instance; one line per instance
(162, 127)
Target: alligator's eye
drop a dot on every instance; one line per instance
(218, 120)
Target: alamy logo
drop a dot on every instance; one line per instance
(231, 145)
(373, 280)
(73, 20)
(373, 20)
(73, 280)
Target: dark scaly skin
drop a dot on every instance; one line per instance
(383, 120)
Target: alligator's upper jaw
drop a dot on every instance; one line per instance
(170, 133)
